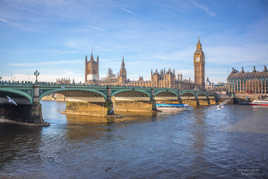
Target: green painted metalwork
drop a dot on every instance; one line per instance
(26, 89)
(48, 92)
(18, 92)
(149, 94)
(187, 91)
(198, 93)
(170, 90)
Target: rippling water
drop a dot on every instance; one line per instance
(203, 143)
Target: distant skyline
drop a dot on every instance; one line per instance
(54, 36)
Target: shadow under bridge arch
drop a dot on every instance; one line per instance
(187, 93)
(166, 92)
(74, 94)
(131, 94)
(189, 97)
(18, 96)
(163, 95)
(202, 98)
(133, 100)
(202, 93)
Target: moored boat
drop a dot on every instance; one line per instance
(172, 107)
(260, 102)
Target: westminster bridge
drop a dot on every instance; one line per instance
(83, 99)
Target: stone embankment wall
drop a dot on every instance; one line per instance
(191, 102)
(98, 109)
(135, 106)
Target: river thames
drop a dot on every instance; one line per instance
(203, 143)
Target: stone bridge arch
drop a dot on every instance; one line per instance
(132, 100)
(133, 91)
(213, 97)
(166, 96)
(81, 101)
(166, 91)
(203, 98)
(58, 90)
(19, 93)
(189, 97)
(202, 93)
(187, 93)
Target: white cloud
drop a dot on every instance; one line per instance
(2, 20)
(127, 11)
(203, 7)
(45, 77)
(96, 28)
(58, 62)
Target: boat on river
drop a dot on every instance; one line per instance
(263, 102)
(163, 107)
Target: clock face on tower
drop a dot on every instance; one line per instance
(197, 59)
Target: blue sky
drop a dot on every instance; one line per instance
(54, 36)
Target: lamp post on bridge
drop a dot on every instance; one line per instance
(36, 74)
(36, 106)
(36, 88)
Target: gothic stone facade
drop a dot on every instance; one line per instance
(255, 82)
(199, 66)
(91, 70)
(162, 79)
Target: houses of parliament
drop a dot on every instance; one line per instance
(159, 79)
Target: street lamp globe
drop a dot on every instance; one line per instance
(36, 74)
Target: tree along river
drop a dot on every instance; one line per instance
(203, 143)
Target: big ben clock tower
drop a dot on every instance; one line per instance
(199, 66)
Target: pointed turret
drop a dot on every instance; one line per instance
(92, 69)
(86, 69)
(265, 69)
(254, 69)
(242, 70)
(234, 70)
(123, 72)
(199, 45)
(123, 63)
(91, 56)
(161, 73)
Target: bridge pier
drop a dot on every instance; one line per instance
(108, 102)
(212, 99)
(137, 106)
(97, 109)
(36, 114)
(203, 101)
(192, 101)
(152, 100)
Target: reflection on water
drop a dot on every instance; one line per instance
(203, 143)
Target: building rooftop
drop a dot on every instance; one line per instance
(235, 74)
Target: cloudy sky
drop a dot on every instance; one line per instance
(54, 36)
